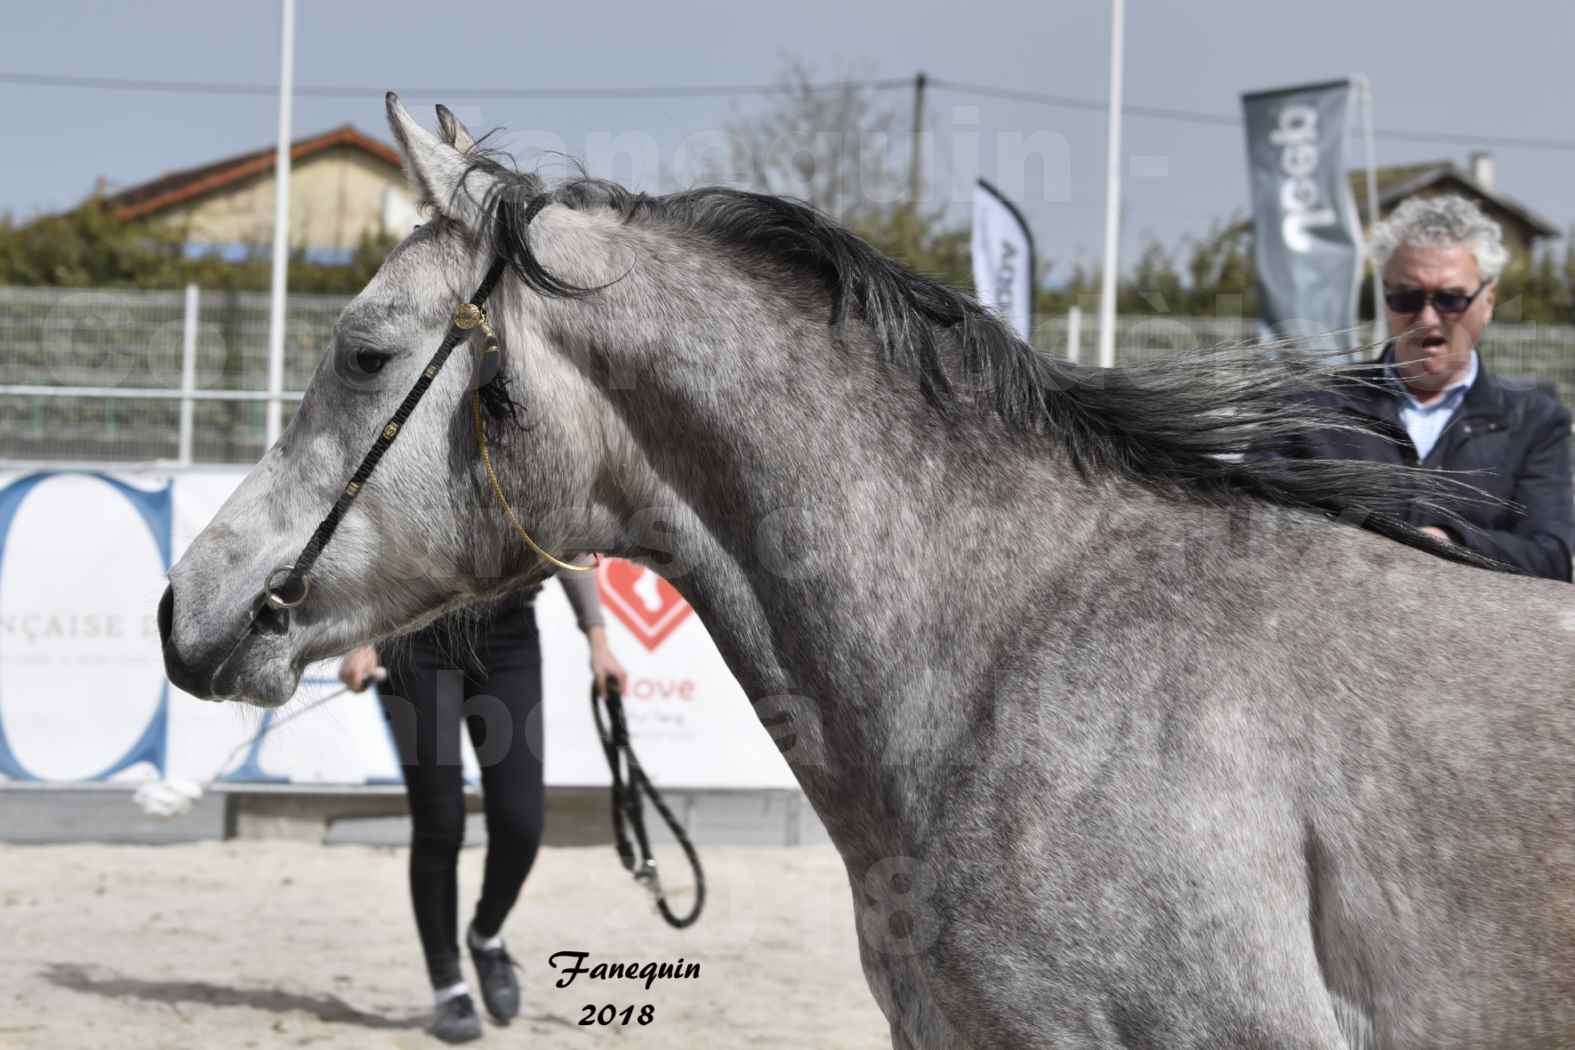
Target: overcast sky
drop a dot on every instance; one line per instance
(1444, 68)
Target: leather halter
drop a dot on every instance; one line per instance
(288, 586)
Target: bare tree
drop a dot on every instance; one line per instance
(840, 145)
(844, 147)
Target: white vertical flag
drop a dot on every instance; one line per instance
(1003, 259)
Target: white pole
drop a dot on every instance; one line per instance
(1074, 333)
(281, 227)
(1107, 289)
(1380, 319)
(188, 374)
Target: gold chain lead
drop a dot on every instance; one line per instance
(508, 511)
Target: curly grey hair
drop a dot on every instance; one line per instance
(1443, 220)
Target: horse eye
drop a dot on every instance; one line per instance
(370, 362)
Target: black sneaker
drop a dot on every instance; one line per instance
(456, 1020)
(500, 989)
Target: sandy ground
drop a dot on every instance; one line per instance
(278, 944)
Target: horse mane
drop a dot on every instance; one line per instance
(1200, 425)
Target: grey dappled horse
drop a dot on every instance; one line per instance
(1126, 739)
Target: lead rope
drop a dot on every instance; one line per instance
(629, 809)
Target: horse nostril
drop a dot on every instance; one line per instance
(166, 614)
(189, 673)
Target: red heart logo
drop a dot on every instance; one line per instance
(643, 601)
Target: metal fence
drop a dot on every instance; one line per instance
(129, 376)
(181, 377)
(1544, 353)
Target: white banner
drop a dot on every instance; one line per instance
(83, 694)
(1003, 259)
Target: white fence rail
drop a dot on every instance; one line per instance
(182, 377)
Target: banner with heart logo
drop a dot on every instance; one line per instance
(643, 601)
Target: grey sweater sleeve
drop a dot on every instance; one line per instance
(580, 589)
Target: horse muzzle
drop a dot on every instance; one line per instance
(235, 664)
(186, 671)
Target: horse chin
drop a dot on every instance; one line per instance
(265, 683)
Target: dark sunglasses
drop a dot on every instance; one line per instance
(1415, 300)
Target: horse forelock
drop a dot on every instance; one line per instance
(1193, 426)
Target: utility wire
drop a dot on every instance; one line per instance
(1223, 120)
(187, 87)
(1098, 105)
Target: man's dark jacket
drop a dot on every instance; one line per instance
(1514, 439)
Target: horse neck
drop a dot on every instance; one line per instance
(855, 556)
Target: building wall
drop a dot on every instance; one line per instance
(335, 197)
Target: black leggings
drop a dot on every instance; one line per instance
(434, 682)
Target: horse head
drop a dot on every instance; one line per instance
(408, 547)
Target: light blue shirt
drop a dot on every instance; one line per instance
(1425, 423)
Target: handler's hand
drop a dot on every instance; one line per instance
(1438, 533)
(604, 664)
(356, 669)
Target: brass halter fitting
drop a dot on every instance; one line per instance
(469, 316)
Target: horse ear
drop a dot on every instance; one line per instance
(441, 175)
(454, 133)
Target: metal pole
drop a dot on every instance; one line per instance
(915, 174)
(281, 228)
(1074, 334)
(188, 374)
(1380, 321)
(1107, 288)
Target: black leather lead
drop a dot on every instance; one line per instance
(628, 809)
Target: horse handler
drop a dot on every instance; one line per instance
(485, 670)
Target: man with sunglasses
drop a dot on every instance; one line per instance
(1437, 406)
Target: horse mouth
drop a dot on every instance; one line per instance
(251, 668)
(256, 682)
(249, 663)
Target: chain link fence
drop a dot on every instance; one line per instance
(101, 376)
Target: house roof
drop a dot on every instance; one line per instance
(1388, 179)
(1397, 183)
(178, 187)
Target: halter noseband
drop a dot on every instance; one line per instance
(287, 586)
